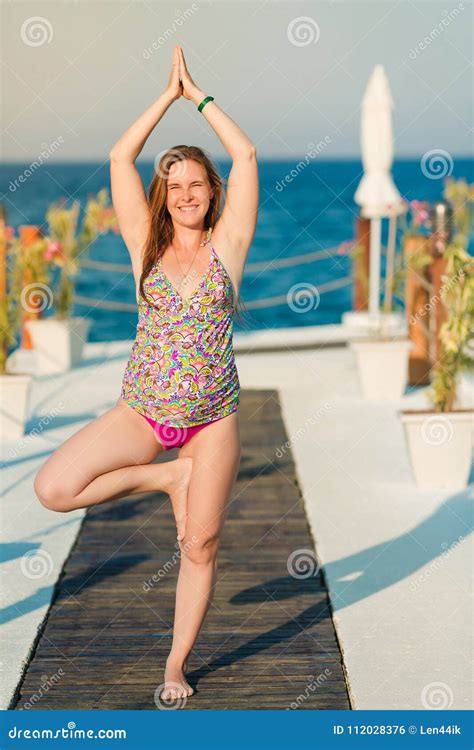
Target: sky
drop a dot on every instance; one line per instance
(76, 74)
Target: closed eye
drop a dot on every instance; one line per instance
(199, 184)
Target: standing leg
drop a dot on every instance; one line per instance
(215, 452)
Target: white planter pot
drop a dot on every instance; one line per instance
(440, 447)
(14, 400)
(382, 367)
(58, 344)
(358, 323)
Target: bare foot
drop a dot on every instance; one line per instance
(176, 685)
(177, 489)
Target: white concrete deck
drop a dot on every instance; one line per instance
(397, 560)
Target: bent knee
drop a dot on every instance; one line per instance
(50, 494)
(200, 550)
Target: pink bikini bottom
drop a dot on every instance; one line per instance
(174, 437)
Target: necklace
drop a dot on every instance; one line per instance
(185, 275)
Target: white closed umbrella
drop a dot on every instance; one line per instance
(376, 193)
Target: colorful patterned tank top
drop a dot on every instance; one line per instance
(181, 369)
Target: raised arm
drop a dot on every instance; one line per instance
(239, 216)
(128, 193)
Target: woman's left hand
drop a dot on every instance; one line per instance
(190, 90)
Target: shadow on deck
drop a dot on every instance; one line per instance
(268, 641)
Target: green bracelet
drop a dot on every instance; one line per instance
(204, 102)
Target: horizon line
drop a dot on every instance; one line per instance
(149, 160)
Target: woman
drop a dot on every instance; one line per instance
(180, 387)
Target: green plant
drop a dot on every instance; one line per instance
(461, 196)
(68, 241)
(457, 331)
(8, 321)
(28, 269)
(62, 223)
(415, 222)
(9, 327)
(397, 283)
(26, 276)
(457, 294)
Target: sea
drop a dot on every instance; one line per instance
(302, 210)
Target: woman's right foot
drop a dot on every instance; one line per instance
(177, 489)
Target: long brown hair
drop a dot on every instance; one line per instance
(161, 230)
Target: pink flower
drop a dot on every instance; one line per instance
(53, 248)
(420, 211)
(345, 247)
(10, 233)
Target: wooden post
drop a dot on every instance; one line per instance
(360, 299)
(29, 234)
(390, 264)
(417, 305)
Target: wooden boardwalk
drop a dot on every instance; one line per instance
(268, 641)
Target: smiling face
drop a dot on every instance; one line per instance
(188, 193)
